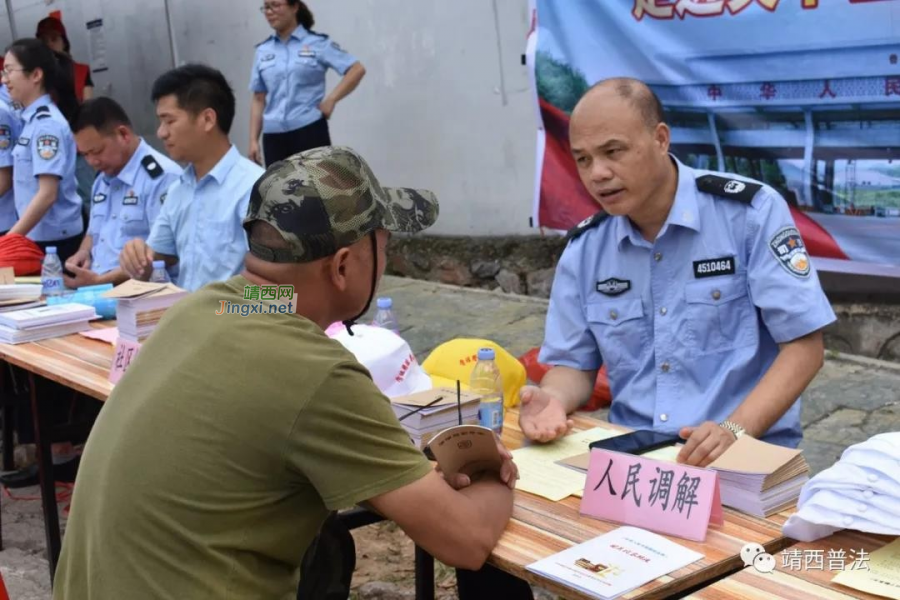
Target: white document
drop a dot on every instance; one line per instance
(615, 563)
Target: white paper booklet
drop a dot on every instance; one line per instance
(615, 563)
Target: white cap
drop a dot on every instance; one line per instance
(388, 358)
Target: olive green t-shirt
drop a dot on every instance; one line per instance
(219, 454)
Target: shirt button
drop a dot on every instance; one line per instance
(868, 493)
(664, 417)
(848, 521)
(862, 508)
(716, 294)
(663, 311)
(613, 315)
(665, 367)
(873, 477)
(657, 257)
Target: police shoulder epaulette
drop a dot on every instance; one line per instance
(42, 112)
(725, 187)
(324, 36)
(263, 42)
(592, 221)
(151, 165)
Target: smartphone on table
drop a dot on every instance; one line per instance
(637, 442)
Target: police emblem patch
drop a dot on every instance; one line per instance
(5, 137)
(130, 199)
(734, 187)
(787, 247)
(47, 146)
(613, 286)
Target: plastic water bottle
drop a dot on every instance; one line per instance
(487, 383)
(385, 317)
(52, 273)
(159, 274)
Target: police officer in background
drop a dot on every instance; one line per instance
(694, 288)
(289, 105)
(10, 127)
(125, 198)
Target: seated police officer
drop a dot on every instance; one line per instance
(694, 288)
(127, 195)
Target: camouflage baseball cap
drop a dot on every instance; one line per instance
(326, 199)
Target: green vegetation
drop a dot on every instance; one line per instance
(558, 83)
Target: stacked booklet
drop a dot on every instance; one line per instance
(33, 324)
(615, 563)
(141, 305)
(19, 296)
(760, 478)
(425, 414)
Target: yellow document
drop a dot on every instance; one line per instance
(540, 475)
(882, 577)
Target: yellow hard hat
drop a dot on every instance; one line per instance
(454, 360)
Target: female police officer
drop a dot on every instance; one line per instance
(48, 206)
(289, 104)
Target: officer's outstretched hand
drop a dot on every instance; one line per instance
(542, 417)
(136, 259)
(705, 443)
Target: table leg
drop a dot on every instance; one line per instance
(424, 575)
(7, 402)
(45, 469)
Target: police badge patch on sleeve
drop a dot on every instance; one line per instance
(788, 248)
(47, 146)
(5, 137)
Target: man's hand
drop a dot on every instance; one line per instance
(327, 107)
(136, 259)
(704, 444)
(542, 417)
(254, 153)
(81, 260)
(509, 472)
(83, 277)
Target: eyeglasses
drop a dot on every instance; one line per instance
(272, 6)
(10, 70)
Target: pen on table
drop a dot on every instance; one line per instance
(435, 401)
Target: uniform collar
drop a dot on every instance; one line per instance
(32, 108)
(683, 212)
(128, 174)
(298, 34)
(219, 172)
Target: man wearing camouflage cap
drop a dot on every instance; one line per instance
(223, 448)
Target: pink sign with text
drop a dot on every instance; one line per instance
(660, 496)
(125, 352)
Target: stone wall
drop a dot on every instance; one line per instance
(526, 264)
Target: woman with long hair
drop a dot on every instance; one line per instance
(289, 106)
(47, 204)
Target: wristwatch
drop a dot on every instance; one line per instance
(736, 430)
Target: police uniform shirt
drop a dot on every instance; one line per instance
(124, 206)
(689, 324)
(200, 221)
(292, 75)
(10, 128)
(46, 147)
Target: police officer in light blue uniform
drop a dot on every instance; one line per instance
(126, 197)
(47, 204)
(694, 289)
(10, 128)
(289, 106)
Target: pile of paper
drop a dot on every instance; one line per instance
(425, 414)
(17, 297)
(33, 324)
(760, 478)
(615, 563)
(141, 305)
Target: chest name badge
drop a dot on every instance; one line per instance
(613, 286)
(98, 198)
(788, 248)
(714, 266)
(130, 199)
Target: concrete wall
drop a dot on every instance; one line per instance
(445, 105)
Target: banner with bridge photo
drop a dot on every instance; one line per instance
(801, 94)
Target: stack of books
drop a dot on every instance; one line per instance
(18, 297)
(33, 324)
(426, 414)
(141, 305)
(760, 478)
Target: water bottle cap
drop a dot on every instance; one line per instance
(51, 250)
(159, 264)
(486, 354)
(384, 303)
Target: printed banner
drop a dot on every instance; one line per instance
(801, 94)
